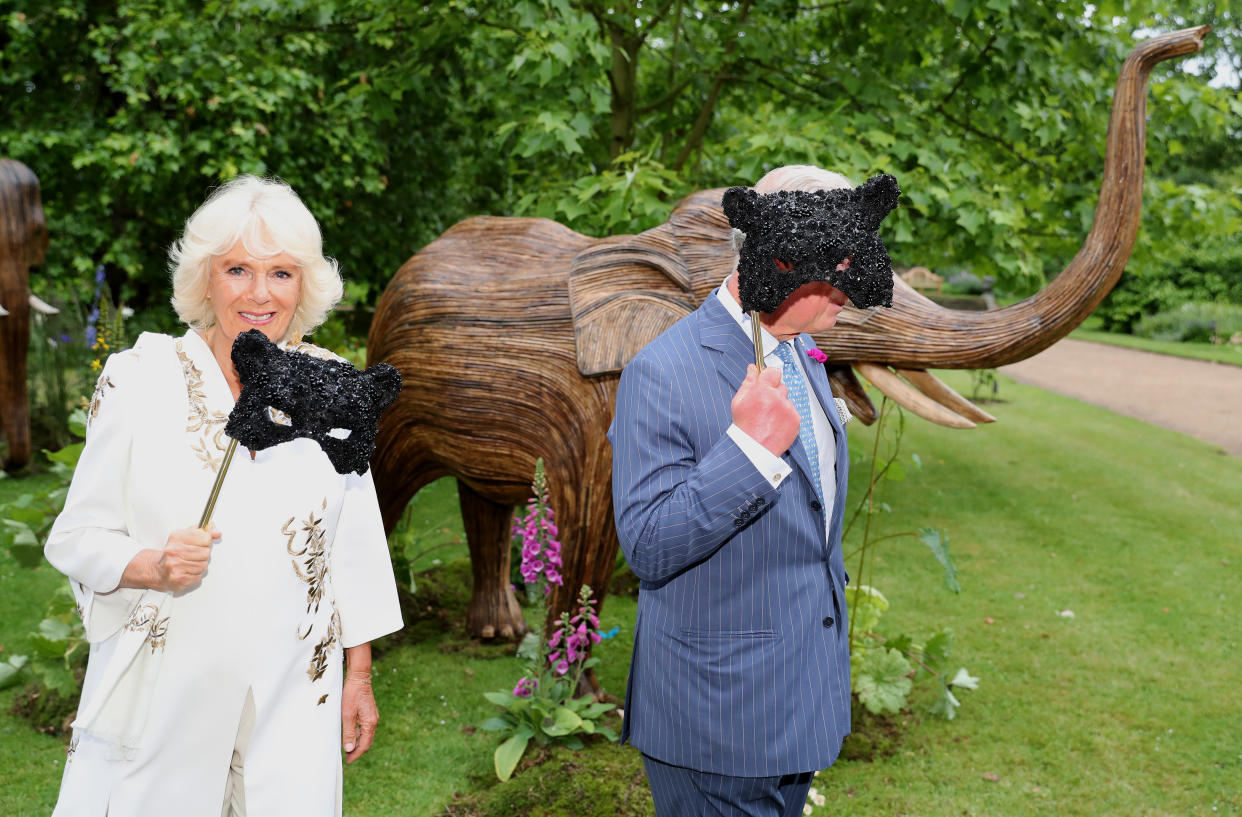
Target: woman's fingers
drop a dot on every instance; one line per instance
(186, 555)
(359, 719)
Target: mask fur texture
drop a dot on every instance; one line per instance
(315, 395)
(814, 232)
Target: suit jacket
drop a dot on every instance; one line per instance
(741, 648)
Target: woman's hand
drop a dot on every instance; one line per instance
(359, 714)
(179, 566)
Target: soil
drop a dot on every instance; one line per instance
(1195, 397)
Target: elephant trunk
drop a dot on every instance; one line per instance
(14, 344)
(23, 243)
(918, 334)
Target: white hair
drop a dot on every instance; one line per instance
(268, 218)
(807, 178)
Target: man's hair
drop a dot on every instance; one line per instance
(268, 218)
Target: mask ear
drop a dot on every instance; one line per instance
(252, 352)
(739, 206)
(385, 382)
(877, 197)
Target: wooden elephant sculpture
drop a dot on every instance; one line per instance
(510, 334)
(23, 244)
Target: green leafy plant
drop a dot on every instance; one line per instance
(884, 670)
(26, 520)
(984, 384)
(58, 646)
(544, 706)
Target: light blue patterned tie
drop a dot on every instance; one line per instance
(799, 395)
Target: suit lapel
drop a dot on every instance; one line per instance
(718, 331)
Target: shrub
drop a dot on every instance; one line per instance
(1194, 322)
(1207, 274)
(965, 283)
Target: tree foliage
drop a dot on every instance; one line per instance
(394, 120)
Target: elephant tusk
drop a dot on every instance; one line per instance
(938, 390)
(41, 306)
(906, 396)
(846, 386)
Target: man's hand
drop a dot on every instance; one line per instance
(184, 559)
(762, 409)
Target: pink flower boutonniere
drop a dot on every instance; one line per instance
(816, 355)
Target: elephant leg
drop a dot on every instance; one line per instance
(494, 609)
(582, 495)
(14, 412)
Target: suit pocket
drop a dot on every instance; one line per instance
(709, 634)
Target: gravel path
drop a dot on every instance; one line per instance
(1194, 397)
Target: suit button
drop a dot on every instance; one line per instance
(745, 514)
(759, 500)
(815, 506)
(737, 523)
(828, 622)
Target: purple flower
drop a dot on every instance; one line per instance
(562, 667)
(816, 355)
(64, 338)
(525, 687)
(536, 533)
(99, 274)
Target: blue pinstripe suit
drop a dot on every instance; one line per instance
(741, 650)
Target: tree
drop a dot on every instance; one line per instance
(394, 120)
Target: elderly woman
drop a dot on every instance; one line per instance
(215, 683)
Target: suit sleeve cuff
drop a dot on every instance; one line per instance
(773, 468)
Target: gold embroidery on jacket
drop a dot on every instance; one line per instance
(319, 659)
(307, 544)
(147, 617)
(98, 396)
(209, 425)
(310, 559)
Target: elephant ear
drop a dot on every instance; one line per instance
(625, 290)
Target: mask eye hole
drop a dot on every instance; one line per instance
(340, 433)
(278, 417)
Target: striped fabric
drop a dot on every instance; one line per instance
(741, 654)
(795, 383)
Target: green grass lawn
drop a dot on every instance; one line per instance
(1130, 707)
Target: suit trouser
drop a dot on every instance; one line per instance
(682, 792)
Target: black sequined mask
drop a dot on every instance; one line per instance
(286, 395)
(814, 232)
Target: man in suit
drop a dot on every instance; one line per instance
(729, 487)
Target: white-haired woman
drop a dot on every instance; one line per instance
(215, 683)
